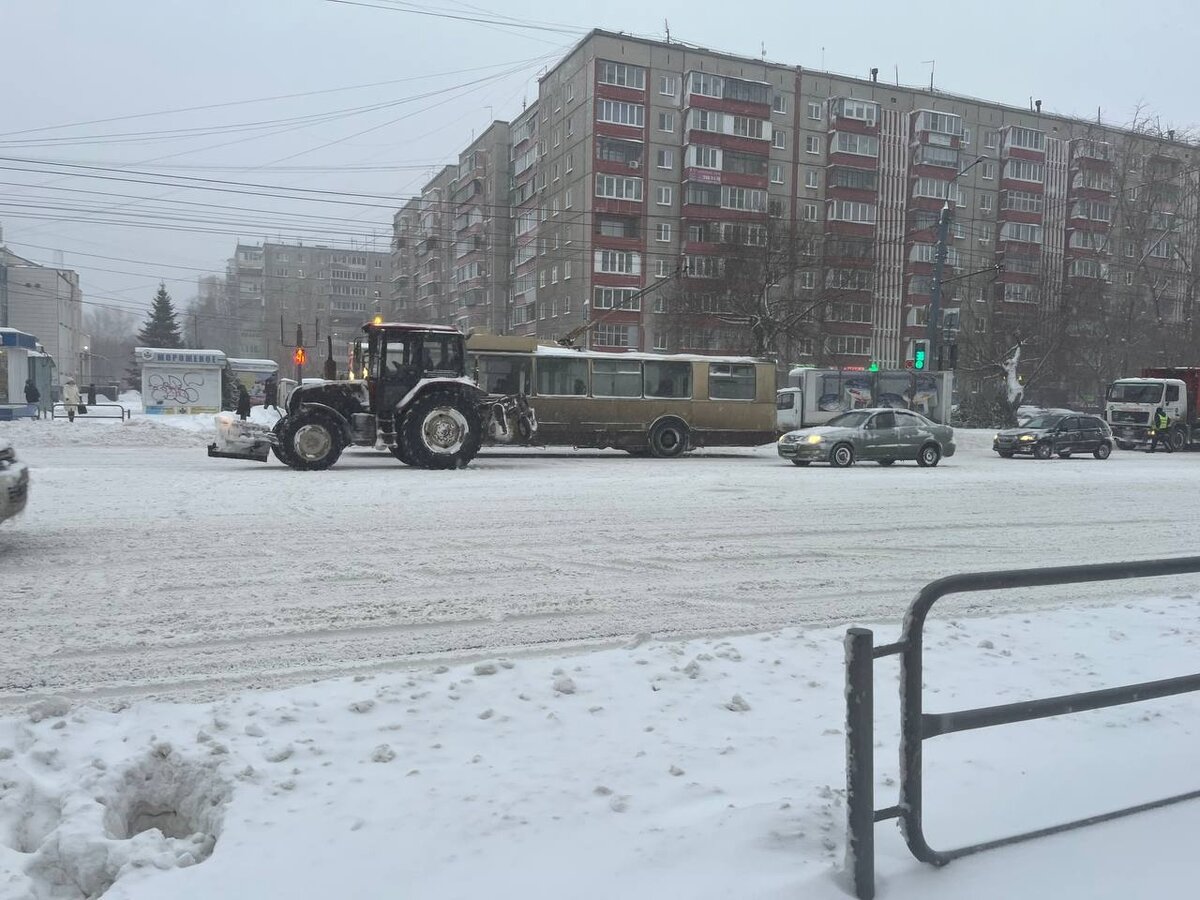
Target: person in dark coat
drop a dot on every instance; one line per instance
(32, 395)
(91, 395)
(243, 402)
(270, 391)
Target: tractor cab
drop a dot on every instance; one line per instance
(396, 358)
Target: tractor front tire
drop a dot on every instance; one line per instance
(311, 440)
(279, 448)
(440, 430)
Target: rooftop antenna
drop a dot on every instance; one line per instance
(896, 66)
(932, 63)
(822, 59)
(667, 29)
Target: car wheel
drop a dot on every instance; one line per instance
(1043, 451)
(842, 456)
(929, 456)
(886, 462)
(1005, 454)
(668, 439)
(1104, 451)
(800, 462)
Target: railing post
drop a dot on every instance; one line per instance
(860, 762)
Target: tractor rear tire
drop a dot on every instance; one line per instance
(398, 452)
(440, 430)
(311, 440)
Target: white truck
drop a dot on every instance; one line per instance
(1131, 403)
(814, 396)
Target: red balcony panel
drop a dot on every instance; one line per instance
(928, 204)
(750, 181)
(849, 229)
(833, 192)
(854, 160)
(612, 207)
(1017, 215)
(758, 146)
(1023, 153)
(1089, 193)
(624, 132)
(617, 92)
(924, 170)
(608, 167)
(735, 107)
(852, 126)
(1090, 225)
(605, 242)
(1030, 187)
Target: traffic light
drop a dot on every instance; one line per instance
(873, 367)
(919, 354)
(299, 356)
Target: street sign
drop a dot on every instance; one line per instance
(908, 364)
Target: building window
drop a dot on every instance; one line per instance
(557, 136)
(1024, 170)
(991, 139)
(663, 232)
(617, 113)
(666, 159)
(850, 346)
(617, 336)
(616, 298)
(812, 144)
(812, 178)
(668, 86)
(987, 170)
(851, 211)
(567, 201)
(570, 163)
(985, 201)
(554, 173)
(858, 144)
(779, 104)
(703, 156)
(814, 111)
(807, 279)
(779, 139)
(567, 270)
(776, 173)
(621, 75)
(707, 85)
(664, 196)
(666, 121)
(614, 187)
(811, 212)
(554, 275)
(542, 280)
(618, 262)
(660, 342)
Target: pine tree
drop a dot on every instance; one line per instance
(160, 331)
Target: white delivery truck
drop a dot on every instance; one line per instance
(814, 396)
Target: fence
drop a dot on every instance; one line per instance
(59, 411)
(916, 725)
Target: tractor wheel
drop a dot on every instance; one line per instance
(398, 452)
(668, 439)
(441, 430)
(311, 440)
(279, 448)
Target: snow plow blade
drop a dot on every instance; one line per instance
(240, 440)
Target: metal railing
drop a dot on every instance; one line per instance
(916, 725)
(59, 411)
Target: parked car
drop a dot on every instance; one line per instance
(14, 482)
(1061, 433)
(883, 436)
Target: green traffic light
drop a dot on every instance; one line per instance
(919, 358)
(873, 367)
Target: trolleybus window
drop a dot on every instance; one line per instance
(730, 381)
(668, 379)
(616, 378)
(565, 377)
(504, 374)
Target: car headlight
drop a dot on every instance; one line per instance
(1027, 437)
(788, 439)
(815, 438)
(996, 436)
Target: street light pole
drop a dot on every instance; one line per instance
(933, 327)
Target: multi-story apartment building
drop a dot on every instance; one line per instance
(641, 159)
(46, 301)
(320, 288)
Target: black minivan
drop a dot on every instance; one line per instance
(1043, 436)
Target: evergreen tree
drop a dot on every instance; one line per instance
(160, 331)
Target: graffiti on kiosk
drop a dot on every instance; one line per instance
(180, 390)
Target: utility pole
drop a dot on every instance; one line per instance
(933, 328)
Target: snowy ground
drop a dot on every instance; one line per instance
(144, 571)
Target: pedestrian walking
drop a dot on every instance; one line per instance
(70, 398)
(1158, 430)
(33, 395)
(270, 391)
(243, 402)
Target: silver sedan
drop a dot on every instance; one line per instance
(879, 435)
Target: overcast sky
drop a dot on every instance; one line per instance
(76, 61)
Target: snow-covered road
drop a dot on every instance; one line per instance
(144, 568)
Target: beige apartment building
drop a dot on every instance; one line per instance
(642, 159)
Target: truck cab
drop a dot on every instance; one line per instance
(1130, 405)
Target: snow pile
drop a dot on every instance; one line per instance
(140, 430)
(705, 768)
